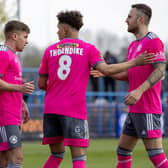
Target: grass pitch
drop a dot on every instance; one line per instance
(101, 154)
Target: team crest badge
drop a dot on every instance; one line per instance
(13, 139)
(77, 129)
(139, 48)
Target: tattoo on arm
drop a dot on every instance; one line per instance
(157, 74)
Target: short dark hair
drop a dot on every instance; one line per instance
(15, 26)
(72, 18)
(145, 9)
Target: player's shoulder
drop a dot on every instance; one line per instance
(4, 51)
(152, 36)
(5, 55)
(50, 47)
(70, 43)
(80, 42)
(54, 45)
(83, 42)
(154, 40)
(3, 48)
(89, 45)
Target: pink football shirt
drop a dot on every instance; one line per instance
(10, 102)
(150, 101)
(67, 65)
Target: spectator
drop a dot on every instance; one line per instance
(95, 85)
(109, 83)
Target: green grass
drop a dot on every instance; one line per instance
(101, 154)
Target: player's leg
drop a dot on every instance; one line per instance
(56, 156)
(76, 135)
(15, 158)
(3, 159)
(127, 143)
(78, 156)
(53, 136)
(153, 141)
(11, 139)
(124, 150)
(156, 152)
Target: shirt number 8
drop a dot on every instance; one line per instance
(65, 62)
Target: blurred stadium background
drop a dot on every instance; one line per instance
(106, 111)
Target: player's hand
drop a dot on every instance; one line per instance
(25, 113)
(27, 88)
(132, 97)
(144, 58)
(96, 73)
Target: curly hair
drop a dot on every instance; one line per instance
(72, 18)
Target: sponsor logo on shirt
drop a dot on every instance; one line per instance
(67, 45)
(68, 51)
(18, 78)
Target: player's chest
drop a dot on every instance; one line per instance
(14, 65)
(135, 49)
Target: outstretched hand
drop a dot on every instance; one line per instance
(144, 58)
(96, 73)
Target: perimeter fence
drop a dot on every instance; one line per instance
(105, 110)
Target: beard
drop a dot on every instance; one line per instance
(133, 29)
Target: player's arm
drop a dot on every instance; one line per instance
(26, 88)
(42, 82)
(111, 69)
(43, 71)
(4, 86)
(154, 77)
(123, 76)
(25, 112)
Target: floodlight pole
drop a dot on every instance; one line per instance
(18, 9)
(18, 17)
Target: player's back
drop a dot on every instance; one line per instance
(68, 65)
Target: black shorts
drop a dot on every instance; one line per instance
(143, 125)
(71, 131)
